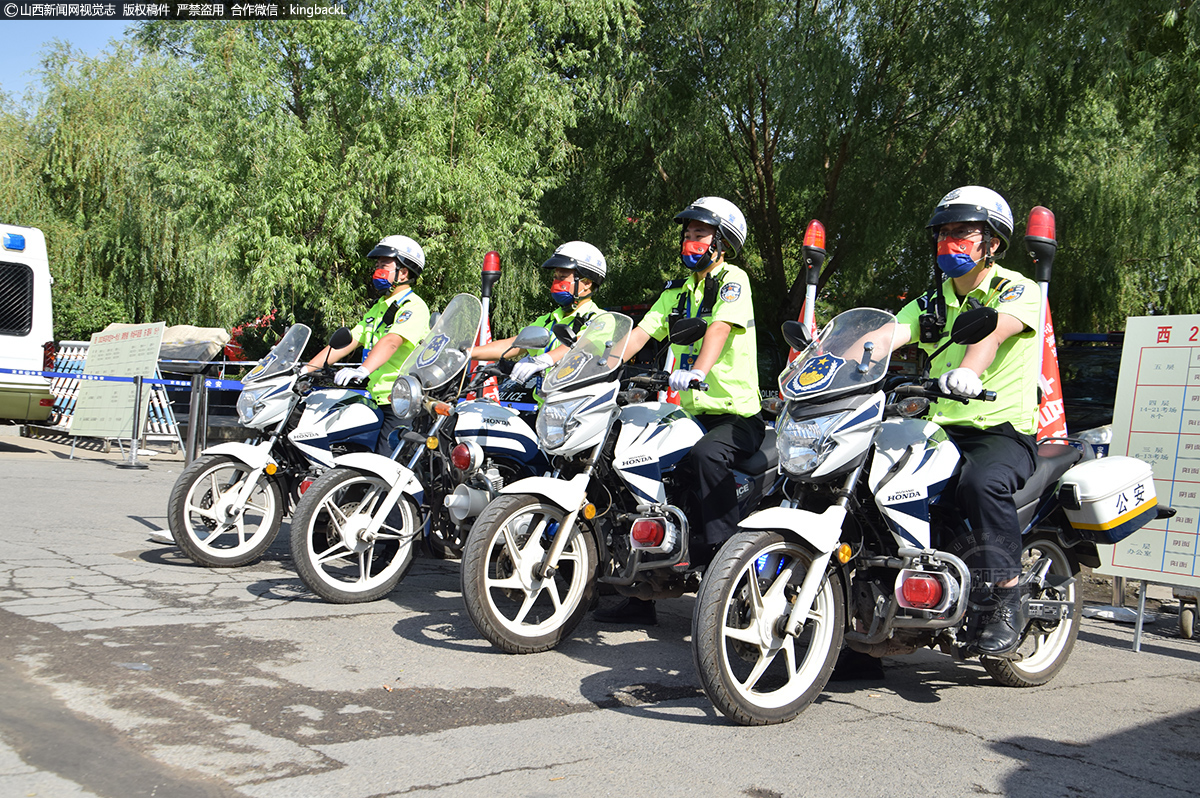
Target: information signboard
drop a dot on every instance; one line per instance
(105, 409)
(1157, 419)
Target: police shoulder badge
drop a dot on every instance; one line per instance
(1012, 293)
(816, 374)
(731, 292)
(403, 317)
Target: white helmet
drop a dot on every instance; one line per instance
(974, 204)
(406, 252)
(721, 214)
(582, 258)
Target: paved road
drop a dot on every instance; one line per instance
(127, 671)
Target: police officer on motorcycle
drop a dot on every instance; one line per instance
(971, 227)
(577, 269)
(389, 331)
(726, 358)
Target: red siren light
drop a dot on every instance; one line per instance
(491, 261)
(1041, 223)
(814, 236)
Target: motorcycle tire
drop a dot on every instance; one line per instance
(745, 595)
(331, 553)
(1046, 645)
(212, 533)
(517, 612)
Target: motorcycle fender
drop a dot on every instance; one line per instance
(567, 494)
(385, 468)
(821, 531)
(254, 456)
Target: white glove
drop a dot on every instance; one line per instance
(681, 379)
(961, 382)
(528, 366)
(348, 375)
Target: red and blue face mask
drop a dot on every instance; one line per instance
(381, 281)
(953, 256)
(562, 290)
(693, 254)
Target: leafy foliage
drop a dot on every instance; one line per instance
(208, 172)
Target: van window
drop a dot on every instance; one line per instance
(16, 299)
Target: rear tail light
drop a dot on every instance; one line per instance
(648, 532)
(460, 457)
(467, 457)
(920, 591)
(49, 353)
(653, 535)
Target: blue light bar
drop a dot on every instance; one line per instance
(14, 242)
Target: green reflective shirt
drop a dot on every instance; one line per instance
(733, 379)
(568, 316)
(410, 321)
(573, 318)
(1013, 375)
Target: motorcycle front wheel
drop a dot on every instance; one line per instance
(518, 611)
(1047, 644)
(210, 525)
(753, 674)
(335, 555)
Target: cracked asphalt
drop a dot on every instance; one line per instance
(125, 670)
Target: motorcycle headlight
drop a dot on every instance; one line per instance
(1098, 435)
(804, 444)
(249, 402)
(406, 396)
(556, 421)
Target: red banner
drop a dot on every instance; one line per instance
(485, 337)
(1052, 421)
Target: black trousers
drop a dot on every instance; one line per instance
(996, 463)
(729, 439)
(391, 422)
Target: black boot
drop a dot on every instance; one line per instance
(634, 611)
(1002, 628)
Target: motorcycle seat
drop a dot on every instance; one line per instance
(1052, 462)
(764, 460)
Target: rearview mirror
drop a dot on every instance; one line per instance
(686, 331)
(341, 338)
(796, 334)
(532, 337)
(974, 325)
(564, 334)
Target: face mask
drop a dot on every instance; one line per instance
(693, 255)
(381, 281)
(952, 257)
(562, 290)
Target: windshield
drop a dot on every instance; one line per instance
(593, 357)
(283, 356)
(834, 362)
(440, 357)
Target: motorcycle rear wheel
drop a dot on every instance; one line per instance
(332, 555)
(751, 673)
(518, 612)
(1046, 645)
(198, 513)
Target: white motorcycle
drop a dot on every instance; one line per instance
(226, 506)
(353, 532)
(859, 551)
(614, 510)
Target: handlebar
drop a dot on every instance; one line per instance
(659, 380)
(929, 389)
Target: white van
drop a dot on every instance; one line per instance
(25, 324)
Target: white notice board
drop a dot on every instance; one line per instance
(105, 409)
(1157, 419)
